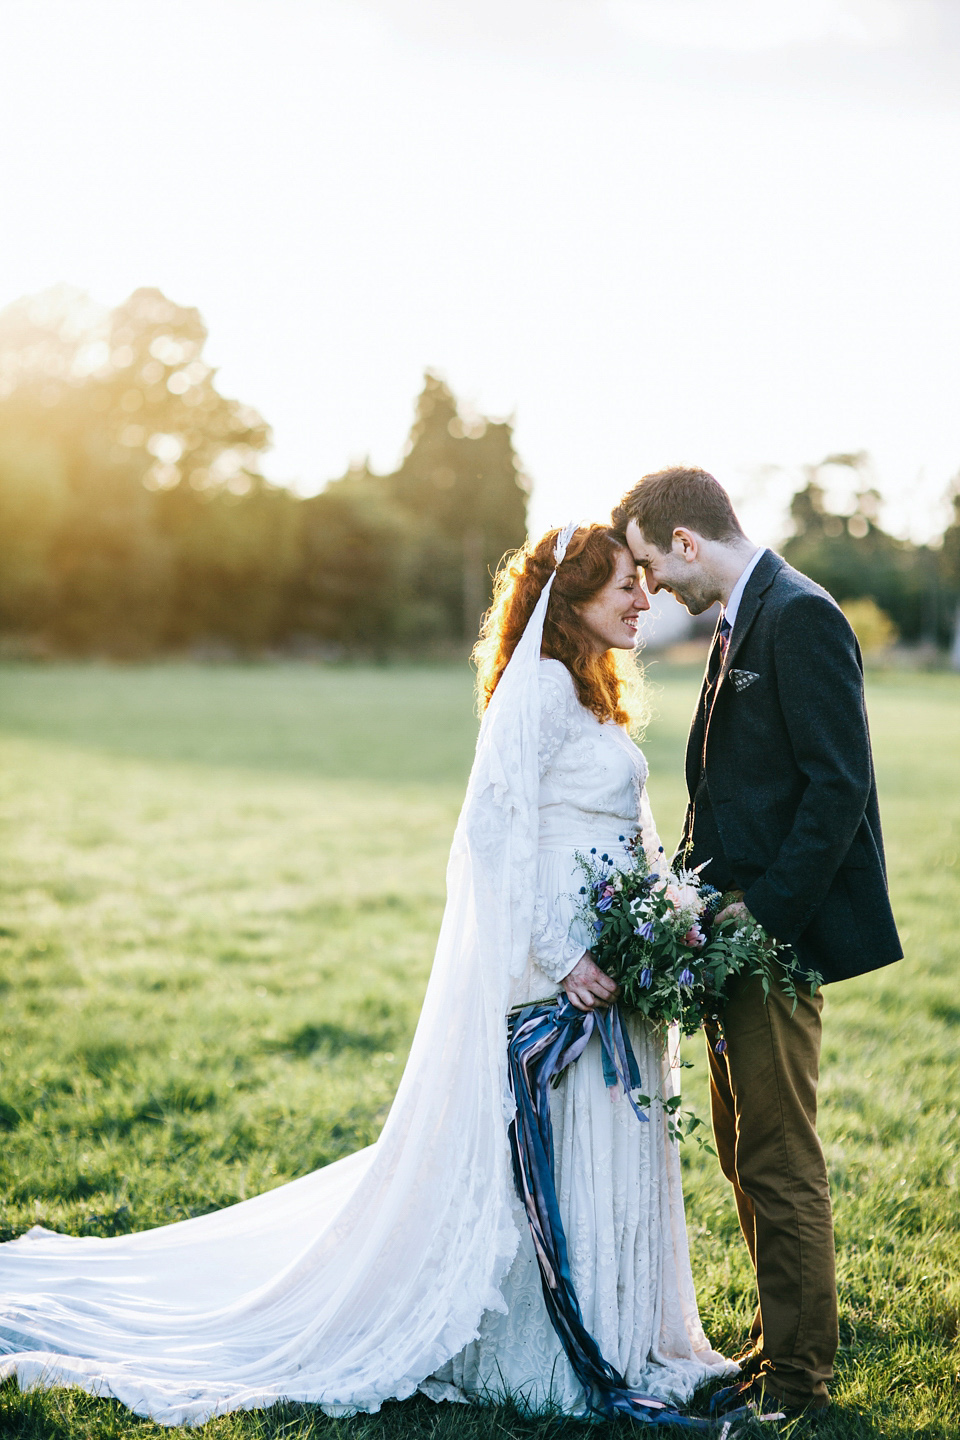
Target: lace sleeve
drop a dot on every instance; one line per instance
(553, 943)
(556, 715)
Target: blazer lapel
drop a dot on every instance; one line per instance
(750, 606)
(695, 739)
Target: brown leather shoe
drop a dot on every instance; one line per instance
(764, 1397)
(750, 1360)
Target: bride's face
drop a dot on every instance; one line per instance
(610, 617)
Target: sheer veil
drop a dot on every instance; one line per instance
(353, 1284)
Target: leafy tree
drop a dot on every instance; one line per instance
(134, 516)
(407, 558)
(135, 377)
(97, 569)
(32, 510)
(854, 558)
(460, 479)
(950, 550)
(234, 557)
(950, 570)
(356, 550)
(871, 625)
(160, 402)
(111, 568)
(127, 413)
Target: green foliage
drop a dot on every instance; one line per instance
(32, 511)
(408, 558)
(872, 626)
(219, 895)
(950, 550)
(102, 417)
(132, 380)
(460, 475)
(353, 588)
(134, 517)
(233, 558)
(656, 935)
(855, 559)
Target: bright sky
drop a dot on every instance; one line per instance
(720, 232)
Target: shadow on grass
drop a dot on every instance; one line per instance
(330, 1039)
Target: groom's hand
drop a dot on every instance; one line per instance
(588, 987)
(735, 910)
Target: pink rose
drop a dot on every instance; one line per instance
(690, 898)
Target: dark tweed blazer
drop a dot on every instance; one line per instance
(785, 757)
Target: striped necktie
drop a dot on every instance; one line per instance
(713, 674)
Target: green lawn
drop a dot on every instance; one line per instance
(219, 891)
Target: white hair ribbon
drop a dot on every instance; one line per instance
(564, 538)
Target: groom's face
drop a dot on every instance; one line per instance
(679, 570)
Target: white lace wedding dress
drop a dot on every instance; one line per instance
(618, 1180)
(359, 1282)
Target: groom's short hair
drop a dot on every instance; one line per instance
(691, 498)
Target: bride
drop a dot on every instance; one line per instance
(410, 1265)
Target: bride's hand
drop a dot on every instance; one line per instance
(587, 986)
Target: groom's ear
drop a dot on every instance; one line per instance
(685, 544)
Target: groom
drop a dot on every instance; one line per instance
(783, 816)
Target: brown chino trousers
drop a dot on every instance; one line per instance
(763, 1095)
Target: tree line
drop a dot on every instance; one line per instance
(916, 586)
(135, 520)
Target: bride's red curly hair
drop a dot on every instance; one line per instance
(602, 682)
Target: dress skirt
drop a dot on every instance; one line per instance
(619, 1188)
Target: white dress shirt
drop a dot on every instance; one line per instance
(736, 594)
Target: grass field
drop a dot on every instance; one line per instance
(219, 891)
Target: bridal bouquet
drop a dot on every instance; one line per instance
(655, 932)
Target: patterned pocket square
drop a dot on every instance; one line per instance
(742, 678)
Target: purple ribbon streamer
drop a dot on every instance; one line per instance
(542, 1041)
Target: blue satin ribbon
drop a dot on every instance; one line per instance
(543, 1040)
